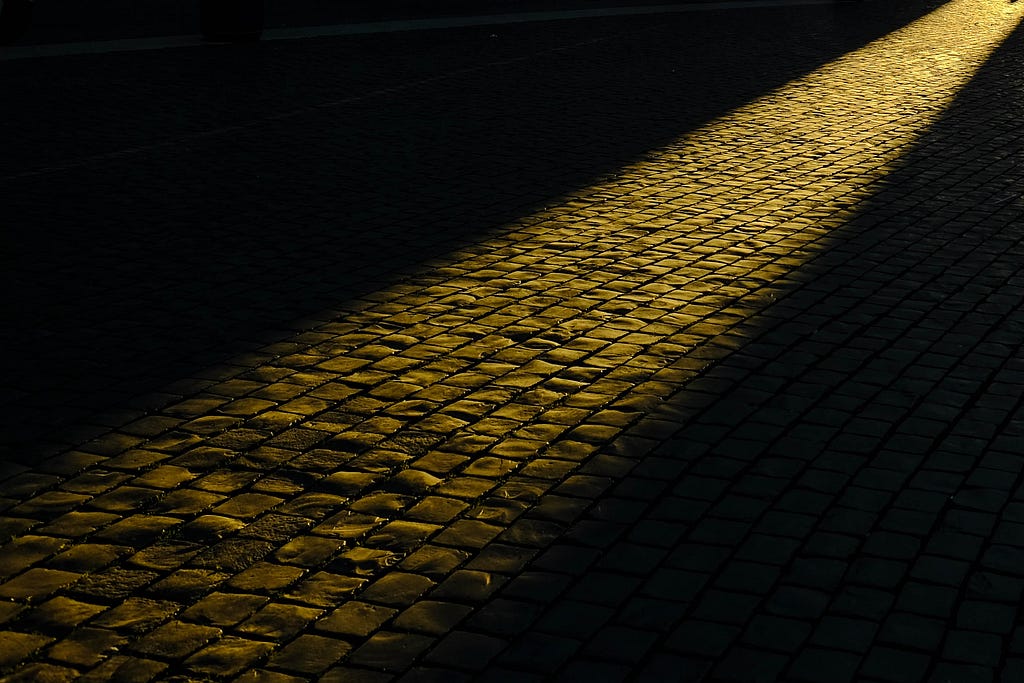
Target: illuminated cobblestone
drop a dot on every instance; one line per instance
(740, 394)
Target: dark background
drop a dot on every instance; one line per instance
(73, 20)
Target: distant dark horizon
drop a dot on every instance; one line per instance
(57, 21)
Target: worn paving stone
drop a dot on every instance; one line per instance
(188, 584)
(397, 589)
(17, 646)
(390, 651)
(599, 378)
(325, 588)
(36, 584)
(309, 654)
(223, 609)
(175, 639)
(279, 621)
(125, 667)
(432, 617)
(87, 646)
(25, 551)
(61, 614)
(227, 656)
(356, 619)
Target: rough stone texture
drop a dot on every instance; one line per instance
(670, 347)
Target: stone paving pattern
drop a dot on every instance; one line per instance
(666, 348)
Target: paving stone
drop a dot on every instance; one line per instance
(945, 671)
(364, 561)
(232, 554)
(604, 588)
(276, 528)
(684, 669)
(25, 551)
(12, 527)
(223, 609)
(349, 483)
(622, 644)
(1011, 670)
(390, 651)
(773, 633)
(926, 599)
(186, 502)
(207, 528)
(559, 509)
(60, 614)
(532, 533)
(86, 647)
(324, 589)
(345, 674)
(309, 654)
(985, 616)
(972, 647)
(279, 621)
(36, 584)
(126, 668)
(465, 650)
(18, 646)
(501, 558)
(188, 584)
(861, 602)
(397, 589)
(49, 505)
(434, 562)
(175, 639)
(706, 639)
(226, 481)
(538, 653)
(467, 533)
(264, 576)
(228, 656)
(565, 558)
(307, 551)
(895, 665)
(574, 619)
(246, 505)
(750, 665)
(357, 619)
(401, 536)
(470, 586)
(9, 611)
(125, 499)
(855, 635)
(44, 672)
(815, 664)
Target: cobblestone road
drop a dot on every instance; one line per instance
(675, 348)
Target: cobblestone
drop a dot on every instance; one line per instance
(671, 347)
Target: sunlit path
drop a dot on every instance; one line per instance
(368, 497)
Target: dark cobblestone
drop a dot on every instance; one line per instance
(658, 347)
